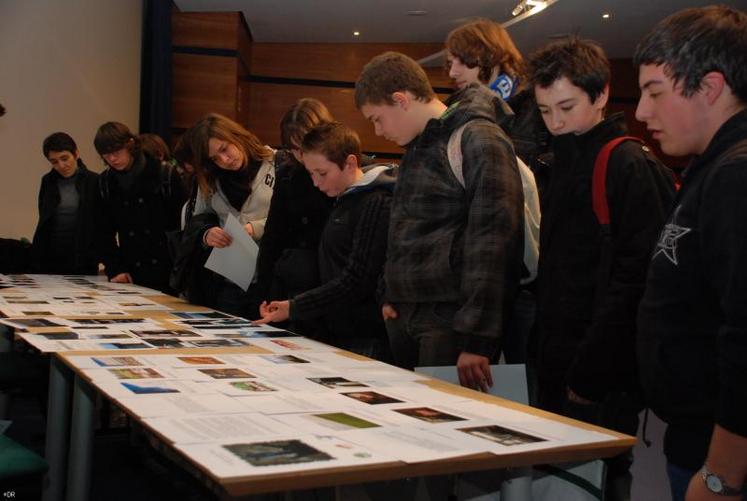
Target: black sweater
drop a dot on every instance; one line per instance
(692, 342)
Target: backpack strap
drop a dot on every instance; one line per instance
(599, 179)
(454, 152)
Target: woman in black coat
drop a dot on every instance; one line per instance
(287, 263)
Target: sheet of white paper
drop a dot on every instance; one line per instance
(237, 261)
(413, 445)
(200, 429)
(179, 404)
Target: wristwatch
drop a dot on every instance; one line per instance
(717, 485)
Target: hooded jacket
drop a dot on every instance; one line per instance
(352, 250)
(692, 340)
(454, 243)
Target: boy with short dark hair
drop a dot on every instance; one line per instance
(591, 274)
(64, 240)
(455, 249)
(692, 341)
(352, 247)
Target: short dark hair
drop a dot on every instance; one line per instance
(183, 150)
(300, 118)
(583, 62)
(694, 42)
(59, 141)
(113, 136)
(388, 73)
(334, 141)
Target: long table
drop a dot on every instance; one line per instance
(72, 396)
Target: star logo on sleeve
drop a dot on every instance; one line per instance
(670, 235)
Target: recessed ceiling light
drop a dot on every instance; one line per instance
(356, 33)
(417, 12)
(606, 15)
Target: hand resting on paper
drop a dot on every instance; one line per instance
(216, 237)
(474, 371)
(276, 311)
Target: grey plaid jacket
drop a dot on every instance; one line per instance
(453, 244)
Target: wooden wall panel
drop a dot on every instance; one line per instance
(213, 30)
(333, 61)
(202, 84)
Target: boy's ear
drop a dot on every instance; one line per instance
(601, 101)
(712, 86)
(351, 161)
(401, 99)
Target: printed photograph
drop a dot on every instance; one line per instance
(289, 345)
(336, 382)
(107, 321)
(125, 346)
(196, 315)
(117, 361)
(167, 343)
(144, 390)
(343, 420)
(371, 397)
(253, 386)
(278, 452)
(33, 322)
(501, 435)
(285, 359)
(429, 415)
(144, 373)
(200, 360)
(216, 343)
(108, 336)
(227, 373)
(164, 333)
(56, 336)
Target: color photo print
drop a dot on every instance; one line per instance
(279, 452)
(501, 435)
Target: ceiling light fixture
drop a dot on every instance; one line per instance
(356, 33)
(606, 15)
(527, 6)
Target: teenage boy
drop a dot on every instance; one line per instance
(140, 201)
(692, 342)
(455, 248)
(352, 247)
(64, 240)
(591, 277)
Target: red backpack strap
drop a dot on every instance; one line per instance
(599, 179)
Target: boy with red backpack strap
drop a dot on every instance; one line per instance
(591, 273)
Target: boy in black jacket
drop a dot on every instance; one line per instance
(692, 343)
(589, 282)
(352, 247)
(140, 201)
(64, 240)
